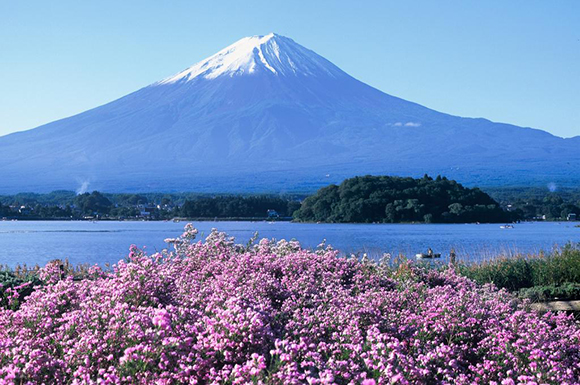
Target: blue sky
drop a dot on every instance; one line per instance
(509, 61)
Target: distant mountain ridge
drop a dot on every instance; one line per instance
(267, 114)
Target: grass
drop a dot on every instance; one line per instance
(541, 276)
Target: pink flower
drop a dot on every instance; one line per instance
(161, 319)
(274, 312)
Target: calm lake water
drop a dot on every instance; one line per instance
(34, 242)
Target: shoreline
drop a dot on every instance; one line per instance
(270, 220)
(176, 220)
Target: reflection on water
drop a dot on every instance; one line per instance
(34, 242)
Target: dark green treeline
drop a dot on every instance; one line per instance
(390, 199)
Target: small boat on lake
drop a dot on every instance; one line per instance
(506, 227)
(428, 255)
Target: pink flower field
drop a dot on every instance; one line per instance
(273, 313)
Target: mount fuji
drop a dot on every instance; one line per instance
(267, 114)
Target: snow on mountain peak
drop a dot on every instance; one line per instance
(271, 53)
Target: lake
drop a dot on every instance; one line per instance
(33, 242)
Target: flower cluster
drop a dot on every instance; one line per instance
(52, 272)
(215, 312)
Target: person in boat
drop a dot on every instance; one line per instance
(430, 252)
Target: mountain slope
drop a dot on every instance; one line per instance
(268, 114)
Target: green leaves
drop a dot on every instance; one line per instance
(392, 199)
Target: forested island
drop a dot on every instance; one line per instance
(366, 199)
(391, 199)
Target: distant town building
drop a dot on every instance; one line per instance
(146, 211)
(571, 217)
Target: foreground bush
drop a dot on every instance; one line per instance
(274, 313)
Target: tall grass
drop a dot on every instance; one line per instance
(561, 268)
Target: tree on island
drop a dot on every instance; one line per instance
(93, 203)
(390, 199)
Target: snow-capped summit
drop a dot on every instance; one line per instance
(268, 53)
(267, 114)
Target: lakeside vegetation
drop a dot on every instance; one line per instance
(538, 277)
(272, 313)
(361, 199)
(97, 205)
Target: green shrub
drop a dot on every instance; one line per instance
(567, 291)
